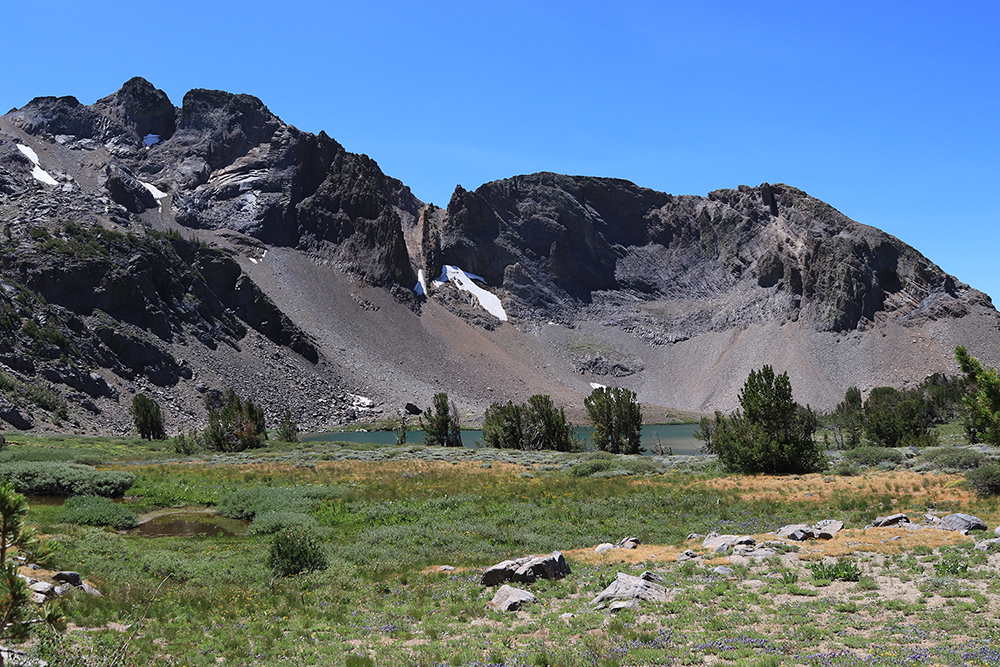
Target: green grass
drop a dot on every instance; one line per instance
(385, 519)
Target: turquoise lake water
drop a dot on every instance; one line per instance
(677, 437)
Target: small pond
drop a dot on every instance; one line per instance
(676, 438)
(189, 523)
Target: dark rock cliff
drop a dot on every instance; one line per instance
(556, 242)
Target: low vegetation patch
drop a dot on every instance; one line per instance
(39, 478)
(98, 511)
(872, 456)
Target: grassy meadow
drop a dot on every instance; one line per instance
(388, 518)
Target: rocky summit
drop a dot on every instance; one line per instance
(178, 251)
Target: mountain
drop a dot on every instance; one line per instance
(180, 251)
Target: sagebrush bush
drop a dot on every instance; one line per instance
(296, 550)
(97, 511)
(985, 479)
(248, 503)
(872, 456)
(955, 457)
(40, 478)
(270, 522)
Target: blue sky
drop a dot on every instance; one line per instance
(888, 111)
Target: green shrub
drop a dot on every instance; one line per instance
(842, 570)
(40, 478)
(271, 522)
(951, 566)
(955, 457)
(845, 469)
(985, 479)
(872, 456)
(617, 420)
(288, 430)
(236, 425)
(147, 417)
(296, 550)
(248, 503)
(530, 426)
(771, 434)
(588, 468)
(97, 511)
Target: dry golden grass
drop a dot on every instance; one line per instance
(923, 487)
(846, 543)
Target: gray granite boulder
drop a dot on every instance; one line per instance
(629, 587)
(527, 570)
(892, 520)
(798, 532)
(962, 523)
(716, 543)
(508, 598)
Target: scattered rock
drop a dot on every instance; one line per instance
(508, 598)
(962, 523)
(687, 554)
(716, 543)
(629, 587)
(828, 528)
(628, 543)
(527, 569)
(798, 532)
(68, 577)
(892, 520)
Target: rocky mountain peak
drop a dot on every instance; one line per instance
(142, 108)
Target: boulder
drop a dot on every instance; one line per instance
(687, 554)
(125, 188)
(988, 545)
(892, 520)
(68, 577)
(962, 523)
(628, 543)
(798, 532)
(508, 598)
(527, 569)
(10, 413)
(827, 528)
(629, 587)
(44, 588)
(604, 546)
(553, 566)
(716, 543)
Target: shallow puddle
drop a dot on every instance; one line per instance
(190, 524)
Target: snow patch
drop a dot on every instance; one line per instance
(151, 139)
(155, 191)
(39, 173)
(598, 385)
(421, 287)
(463, 281)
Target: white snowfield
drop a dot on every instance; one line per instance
(39, 173)
(463, 281)
(155, 191)
(421, 287)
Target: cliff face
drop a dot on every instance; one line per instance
(559, 243)
(226, 161)
(181, 250)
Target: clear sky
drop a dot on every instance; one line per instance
(889, 111)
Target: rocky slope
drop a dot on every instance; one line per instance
(181, 250)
